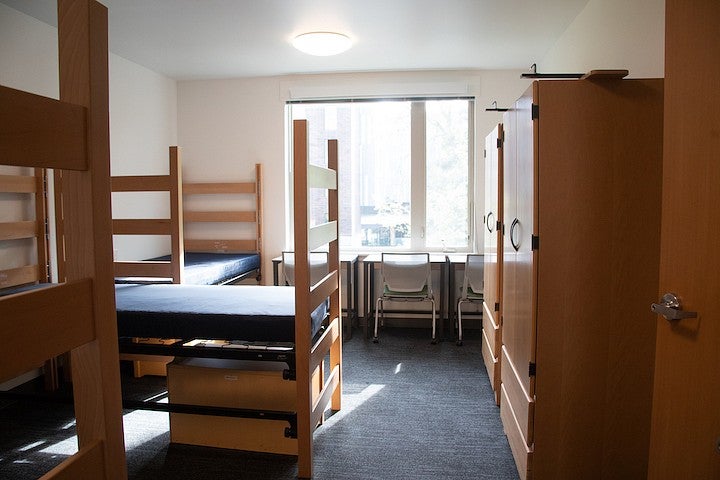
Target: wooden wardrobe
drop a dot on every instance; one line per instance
(492, 255)
(582, 197)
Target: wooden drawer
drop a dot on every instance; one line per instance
(491, 326)
(226, 383)
(492, 365)
(518, 444)
(522, 405)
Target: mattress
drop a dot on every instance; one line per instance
(209, 268)
(237, 312)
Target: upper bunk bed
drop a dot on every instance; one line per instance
(192, 258)
(76, 316)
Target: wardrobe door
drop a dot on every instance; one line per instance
(517, 390)
(492, 249)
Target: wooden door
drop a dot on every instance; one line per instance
(492, 250)
(518, 323)
(685, 422)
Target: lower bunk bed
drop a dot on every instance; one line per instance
(193, 209)
(298, 326)
(246, 322)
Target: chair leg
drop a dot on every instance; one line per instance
(434, 340)
(459, 314)
(377, 313)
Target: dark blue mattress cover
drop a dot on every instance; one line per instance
(228, 312)
(23, 288)
(210, 268)
(214, 268)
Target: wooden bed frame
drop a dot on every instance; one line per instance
(181, 216)
(78, 316)
(307, 360)
(71, 136)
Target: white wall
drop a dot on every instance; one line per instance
(143, 116)
(226, 126)
(143, 124)
(143, 108)
(612, 34)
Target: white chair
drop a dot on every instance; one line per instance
(472, 289)
(318, 266)
(406, 277)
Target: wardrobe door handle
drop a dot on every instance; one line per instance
(514, 224)
(488, 223)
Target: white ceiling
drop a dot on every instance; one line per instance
(190, 39)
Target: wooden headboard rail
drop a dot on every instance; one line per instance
(28, 186)
(233, 216)
(78, 315)
(171, 227)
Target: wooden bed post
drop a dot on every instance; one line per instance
(309, 356)
(177, 244)
(83, 60)
(334, 259)
(259, 216)
(302, 302)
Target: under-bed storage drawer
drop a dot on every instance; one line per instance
(231, 383)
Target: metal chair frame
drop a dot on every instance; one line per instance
(472, 289)
(406, 277)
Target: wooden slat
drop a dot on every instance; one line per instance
(322, 346)
(19, 276)
(143, 269)
(142, 226)
(220, 216)
(319, 177)
(18, 230)
(321, 234)
(324, 288)
(218, 188)
(141, 183)
(86, 464)
(17, 184)
(43, 324)
(37, 131)
(323, 399)
(220, 246)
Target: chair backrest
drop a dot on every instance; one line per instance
(406, 272)
(318, 266)
(474, 274)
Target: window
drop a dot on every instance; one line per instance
(404, 170)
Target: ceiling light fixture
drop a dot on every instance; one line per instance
(322, 43)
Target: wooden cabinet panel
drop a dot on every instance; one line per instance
(492, 250)
(580, 272)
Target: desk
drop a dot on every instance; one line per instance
(349, 261)
(369, 276)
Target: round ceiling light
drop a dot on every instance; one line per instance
(322, 43)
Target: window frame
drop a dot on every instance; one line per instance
(418, 151)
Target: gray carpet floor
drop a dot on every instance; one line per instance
(411, 410)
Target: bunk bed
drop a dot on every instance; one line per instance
(76, 316)
(193, 260)
(298, 325)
